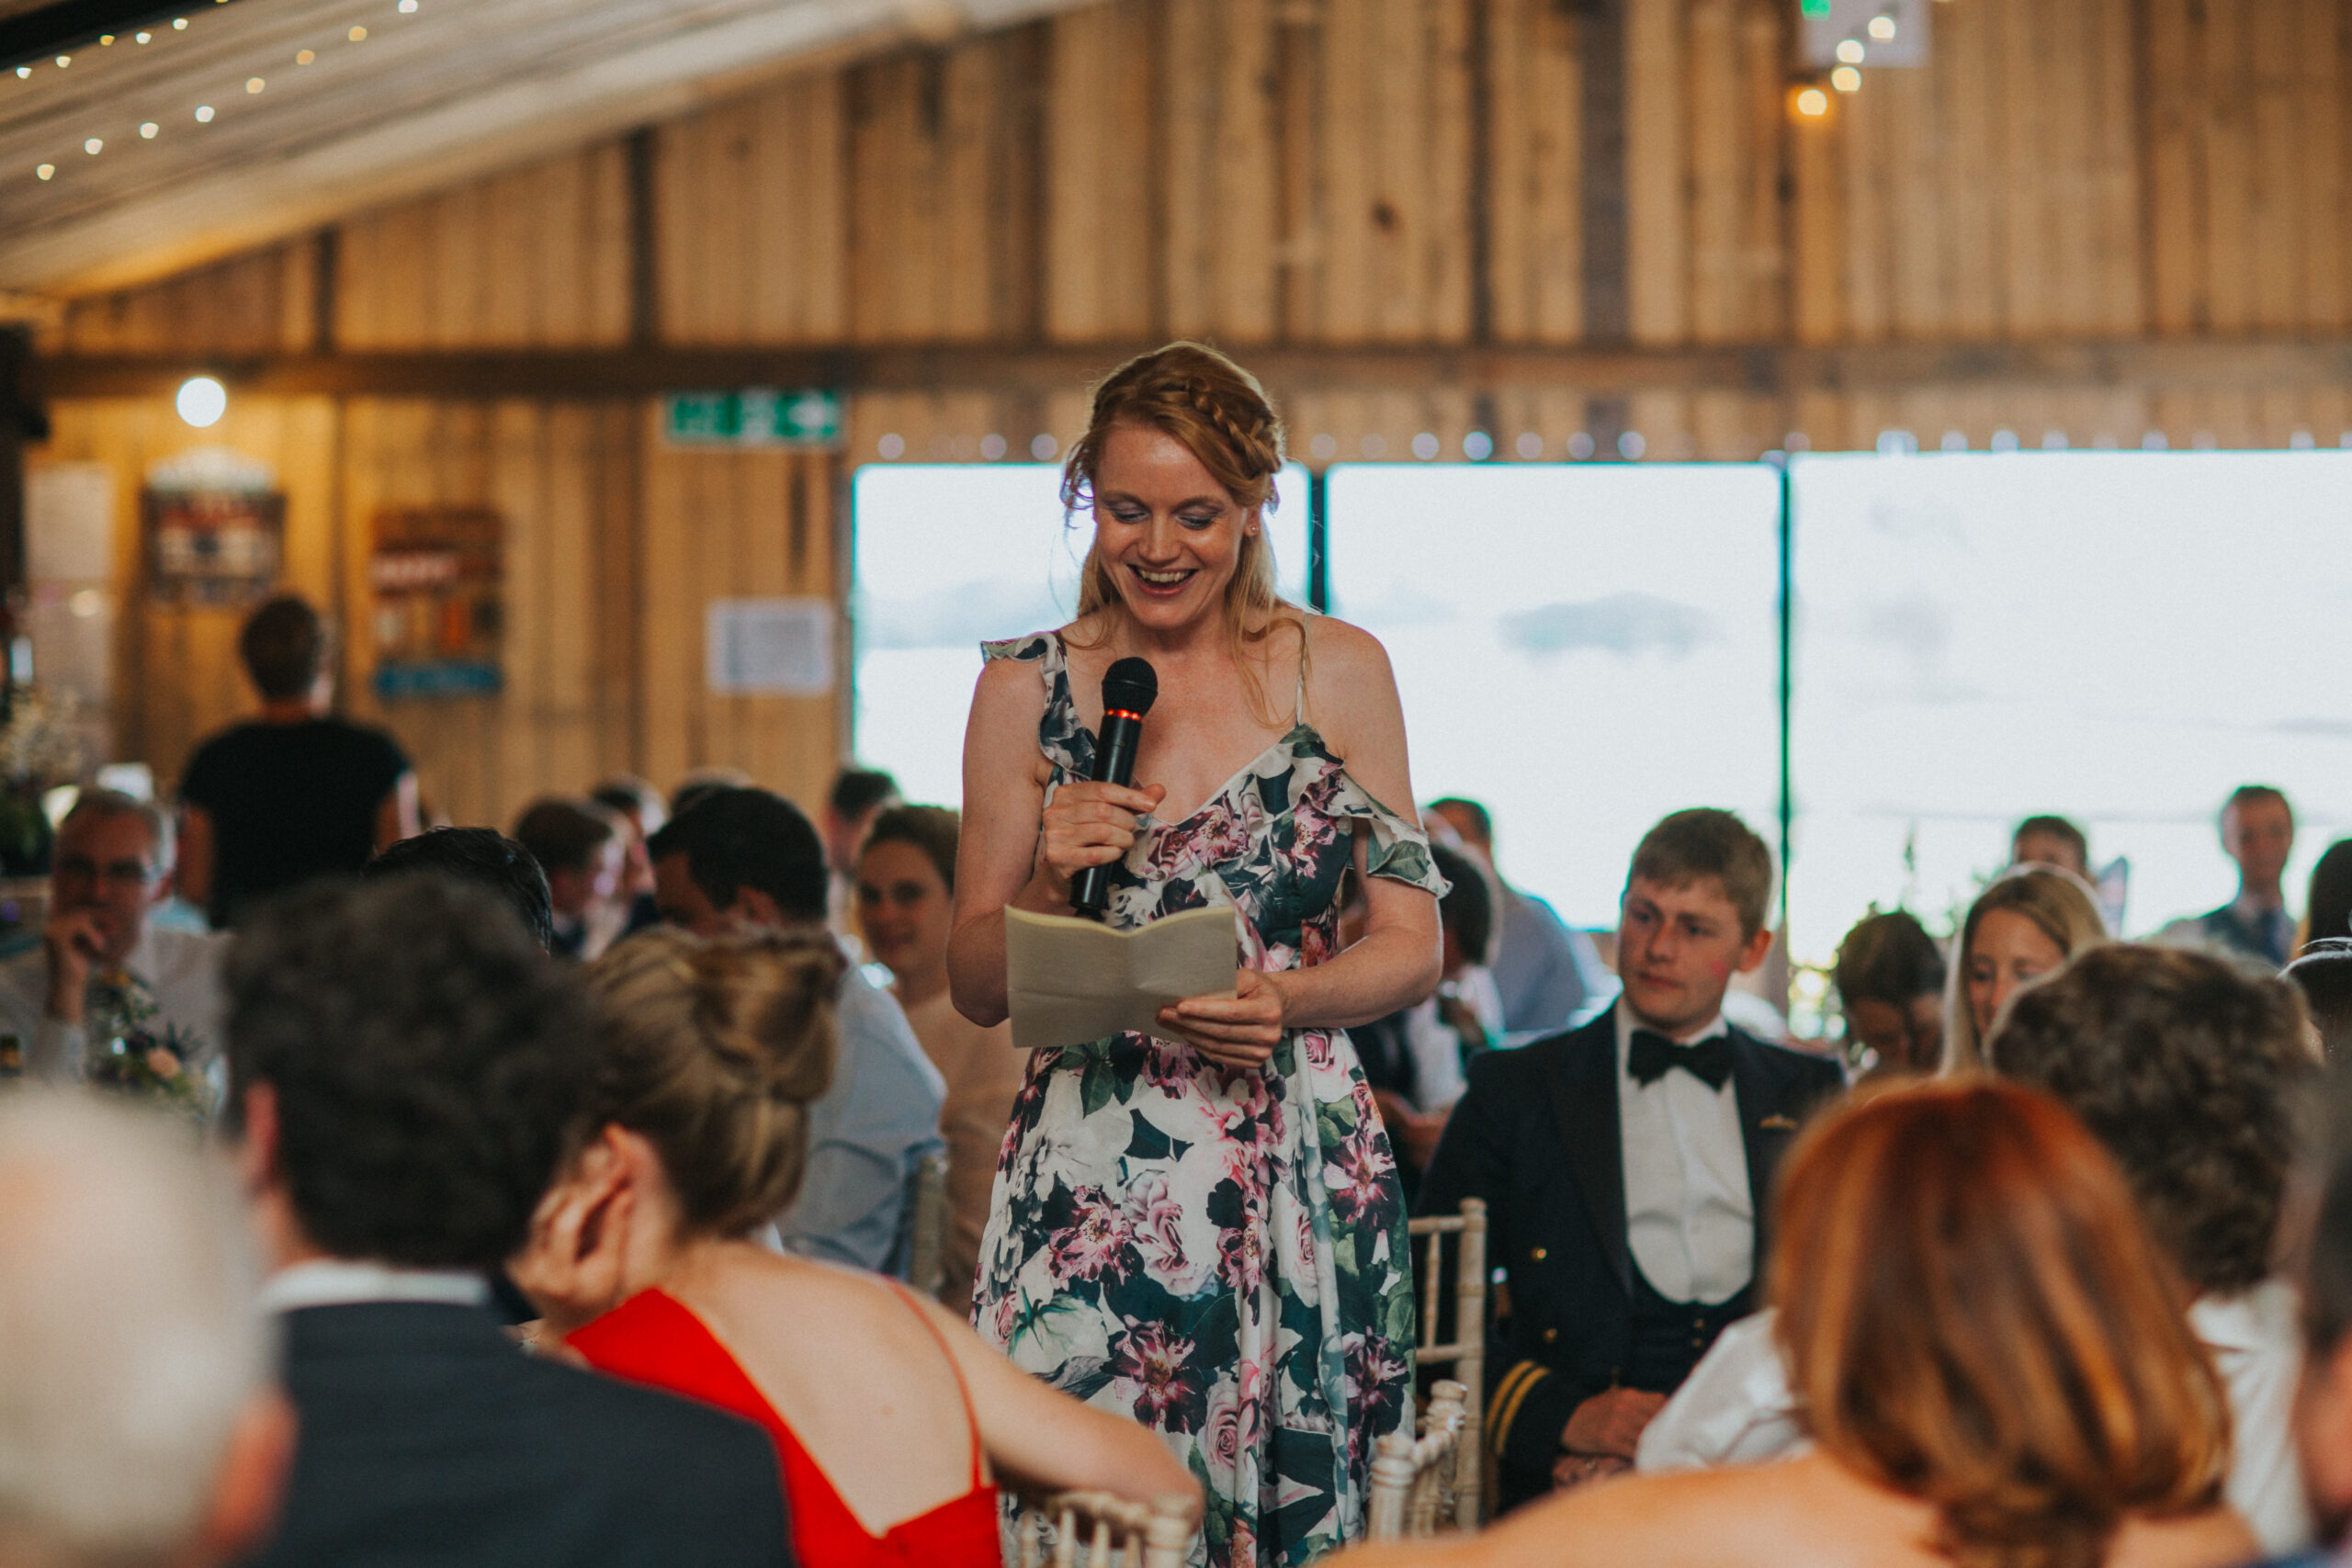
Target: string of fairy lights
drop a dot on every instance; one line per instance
(206, 113)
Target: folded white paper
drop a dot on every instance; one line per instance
(1072, 980)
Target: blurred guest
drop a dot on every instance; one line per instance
(858, 795)
(296, 793)
(139, 1425)
(2324, 975)
(484, 857)
(2190, 1073)
(2051, 840)
(1890, 980)
(1624, 1166)
(2327, 913)
(1545, 970)
(706, 781)
(1994, 1366)
(741, 860)
(405, 1067)
(642, 813)
(581, 846)
(1415, 1060)
(2259, 832)
(2023, 926)
(101, 950)
(906, 879)
(882, 1406)
(2323, 1399)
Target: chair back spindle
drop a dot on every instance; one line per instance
(1465, 1355)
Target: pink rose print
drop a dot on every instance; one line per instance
(1156, 1222)
(1090, 1243)
(1155, 1364)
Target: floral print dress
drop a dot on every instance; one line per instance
(1219, 1252)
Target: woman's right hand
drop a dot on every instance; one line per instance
(1089, 824)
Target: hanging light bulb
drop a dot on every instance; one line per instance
(1850, 51)
(202, 401)
(1846, 79)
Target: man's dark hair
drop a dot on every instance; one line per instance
(857, 791)
(2253, 794)
(2327, 913)
(735, 839)
(428, 1063)
(1479, 817)
(933, 829)
(629, 795)
(2188, 1069)
(2324, 975)
(1468, 906)
(1888, 958)
(2327, 1276)
(2056, 828)
(484, 857)
(563, 834)
(283, 645)
(1706, 842)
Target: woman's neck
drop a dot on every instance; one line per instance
(916, 986)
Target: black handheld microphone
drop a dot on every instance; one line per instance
(1130, 688)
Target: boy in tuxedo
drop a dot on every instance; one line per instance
(1627, 1165)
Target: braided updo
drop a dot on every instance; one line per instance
(712, 1050)
(1221, 414)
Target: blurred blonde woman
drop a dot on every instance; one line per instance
(2026, 925)
(891, 1420)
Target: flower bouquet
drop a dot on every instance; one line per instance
(126, 1056)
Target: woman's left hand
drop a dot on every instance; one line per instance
(1239, 1031)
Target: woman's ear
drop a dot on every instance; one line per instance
(574, 1267)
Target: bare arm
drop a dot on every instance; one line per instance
(396, 814)
(1015, 849)
(1042, 1441)
(194, 875)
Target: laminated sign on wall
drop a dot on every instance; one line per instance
(436, 577)
(215, 521)
(775, 646)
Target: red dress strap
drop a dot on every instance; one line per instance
(963, 1391)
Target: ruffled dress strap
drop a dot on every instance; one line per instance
(1399, 850)
(1067, 743)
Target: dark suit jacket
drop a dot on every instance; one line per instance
(428, 1436)
(1537, 1136)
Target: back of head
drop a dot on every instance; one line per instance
(933, 829)
(283, 645)
(427, 1061)
(2188, 1069)
(735, 839)
(2327, 914)
(1973, 1316)
(1706, 842)
(1472, 820)
(1888, 958)
(1220, 415)
(712, 1050)
(483, 857)
(2061, 906)
(2070, 839)
(131, 1344)
(633, 799)
(2327, 1276)
(704, 783)
(2324, 975)
(1468, 908)
(563, 833)
(857, 791)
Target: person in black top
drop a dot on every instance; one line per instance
(296, 793)
(404, 1069)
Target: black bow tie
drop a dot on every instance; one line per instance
(1653, 1056)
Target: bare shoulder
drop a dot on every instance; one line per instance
(2208, 1540)
(1010, 685)
(1344, 651)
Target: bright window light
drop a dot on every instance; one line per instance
(2118, 637)
(949, 554)
(1582, 650)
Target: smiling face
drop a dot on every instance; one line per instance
(1678, 948)
(2007, 950)
(903, 908)
(1168, 535)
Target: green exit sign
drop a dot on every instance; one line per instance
(1813, 7)
(807, 417)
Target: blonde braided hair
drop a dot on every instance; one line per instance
(1221, 414)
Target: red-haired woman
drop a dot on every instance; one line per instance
(1990, 1355)
(1202, 1227)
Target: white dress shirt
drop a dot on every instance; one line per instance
(345, 1281)
(1689, 1215)
(1736, 1407)
(181, 973)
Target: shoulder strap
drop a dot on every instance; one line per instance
(963, 1391)
(1298, 702)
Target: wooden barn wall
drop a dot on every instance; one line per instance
(1322, 172)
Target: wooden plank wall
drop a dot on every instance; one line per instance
(1255, 171)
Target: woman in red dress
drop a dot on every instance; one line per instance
(890, 1418)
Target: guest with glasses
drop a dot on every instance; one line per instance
(103, 962)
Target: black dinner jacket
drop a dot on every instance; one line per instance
(428, 1436)
(1537, 1135)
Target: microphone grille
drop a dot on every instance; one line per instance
(1130, 686)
